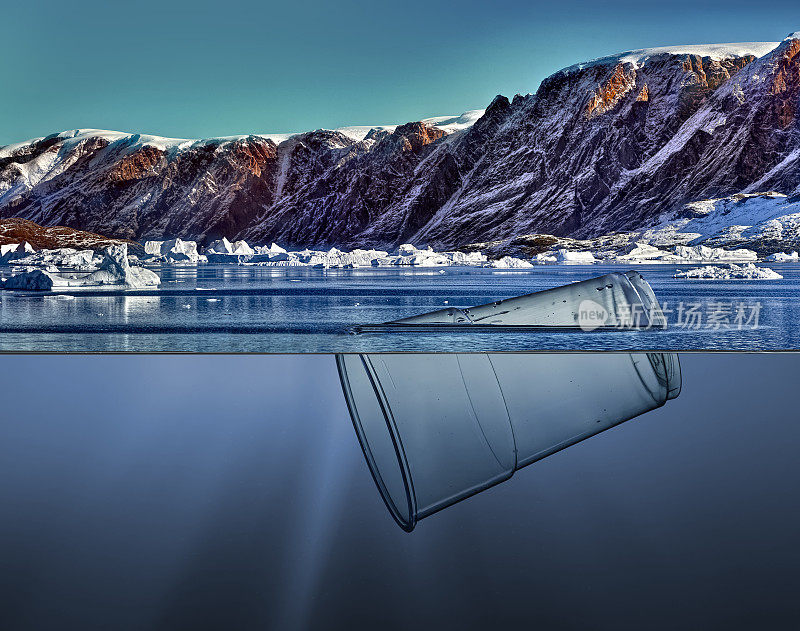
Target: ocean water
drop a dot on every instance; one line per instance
(165, 493)
(224, 308)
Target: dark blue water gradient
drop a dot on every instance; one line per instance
(219, 308)
(229, 492)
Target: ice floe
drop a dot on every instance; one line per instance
(572, 257)
(782, 257)
(509, 262)
(731, 271)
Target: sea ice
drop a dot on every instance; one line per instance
(508, 262)
(638, 251)
(702, 253)
(782, 257)
(731, 271)
(571, 257)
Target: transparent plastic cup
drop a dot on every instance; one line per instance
(438, 428)
(612, 301)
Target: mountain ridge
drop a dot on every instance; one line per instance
(603, 146)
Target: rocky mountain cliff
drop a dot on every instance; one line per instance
(604, 146)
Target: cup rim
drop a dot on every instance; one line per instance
(406, 517)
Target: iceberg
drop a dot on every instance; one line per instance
(12, 251)
(572, 257)
(406, 249)
(731, 271)
(508, 262)
(275, 249)
(222, 246)
(782, 257)
(639, 252)
(703, 253)
(35, 279)
(544, 258)
(6, 248)
(114, 269)
(174, 250)
(241, 247)
(60, 257)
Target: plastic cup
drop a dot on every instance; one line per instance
(613, 301)
(438, 428)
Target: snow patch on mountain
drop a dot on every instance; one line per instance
(716, 52)
(745, 219)
(449, 124)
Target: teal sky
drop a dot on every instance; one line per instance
(198, 69)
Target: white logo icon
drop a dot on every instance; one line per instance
(591, 315)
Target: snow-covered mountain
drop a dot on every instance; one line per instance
(609, 145)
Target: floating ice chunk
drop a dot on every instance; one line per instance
(705, 253)
(782, 257)
(241, 247)
(406, 249)
(235, 259)
(114, 270)
(466, 258)
(509, 262)
(174, 250)
(273, 250)
(571, 257)
(60, 257)
(221, 246)
(544, 258)
(36, 279)
(6, 248)
(731, 271)
(424, 258)
(638, 251)
(14, 251)
(153, 248)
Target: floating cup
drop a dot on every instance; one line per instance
(612, 301)
(437, 428)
